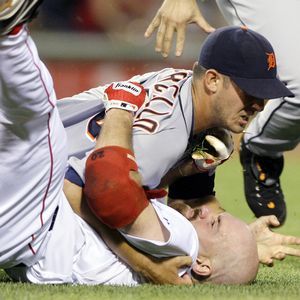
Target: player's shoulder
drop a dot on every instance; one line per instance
(172, 217)
(160, 75)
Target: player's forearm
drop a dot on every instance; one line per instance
(171, 177)
(116, 130)
(136, 260)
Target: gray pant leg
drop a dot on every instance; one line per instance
(275, 130)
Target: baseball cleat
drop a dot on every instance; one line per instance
(16, 12)
(262, 185)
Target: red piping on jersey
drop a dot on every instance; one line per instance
(30, 247)
(51, 171)
(49, 140)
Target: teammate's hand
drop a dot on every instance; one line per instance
(165, 271)
(174, 15)
(124, 95)
(272, 245)
(216, 148)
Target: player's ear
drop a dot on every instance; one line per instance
(202, 268)
(212, 79)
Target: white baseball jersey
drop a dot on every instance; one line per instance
(277, 127)
(161, 129)
(76, 254)
(41, 239)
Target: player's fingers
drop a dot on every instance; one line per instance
(272, 221)
(279, 255)
(167, 41)
(290, 251)
(152, 26)
(269, 262)
(180, 39)
(203, 24)
(183, 261)
(289, 240)
(185, 279)
(160, 36)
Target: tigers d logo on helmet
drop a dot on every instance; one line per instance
(271, 60)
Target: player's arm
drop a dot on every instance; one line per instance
(159, 271)
(212, 150)
(118, 198)
(173, 16)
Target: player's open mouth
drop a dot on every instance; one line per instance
(243, 121)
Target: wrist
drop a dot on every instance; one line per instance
(117, 113)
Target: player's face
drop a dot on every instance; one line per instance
(234, 107)
(215, 230)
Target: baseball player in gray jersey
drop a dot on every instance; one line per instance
(277, 128)
(227, 85)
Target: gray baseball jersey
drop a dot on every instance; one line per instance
(277, 127)
(161, 129)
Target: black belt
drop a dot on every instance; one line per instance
(53, 218)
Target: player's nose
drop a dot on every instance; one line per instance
(203, 212)
(258, 104)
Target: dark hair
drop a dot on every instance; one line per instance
(198, 71)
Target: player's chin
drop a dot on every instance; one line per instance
(237, 127)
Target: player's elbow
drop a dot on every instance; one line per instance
(112, 186)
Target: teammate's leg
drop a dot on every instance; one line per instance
(277, 128)
(32, 142)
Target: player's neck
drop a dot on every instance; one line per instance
(202, 119)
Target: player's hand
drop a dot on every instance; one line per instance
(165, 271)
(124, 95)
(216, 148)
(272, 245)
(173, 16)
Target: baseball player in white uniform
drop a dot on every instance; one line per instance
(274, 130)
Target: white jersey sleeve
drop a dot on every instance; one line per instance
(183, 239)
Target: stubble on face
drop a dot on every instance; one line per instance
(230, 107)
